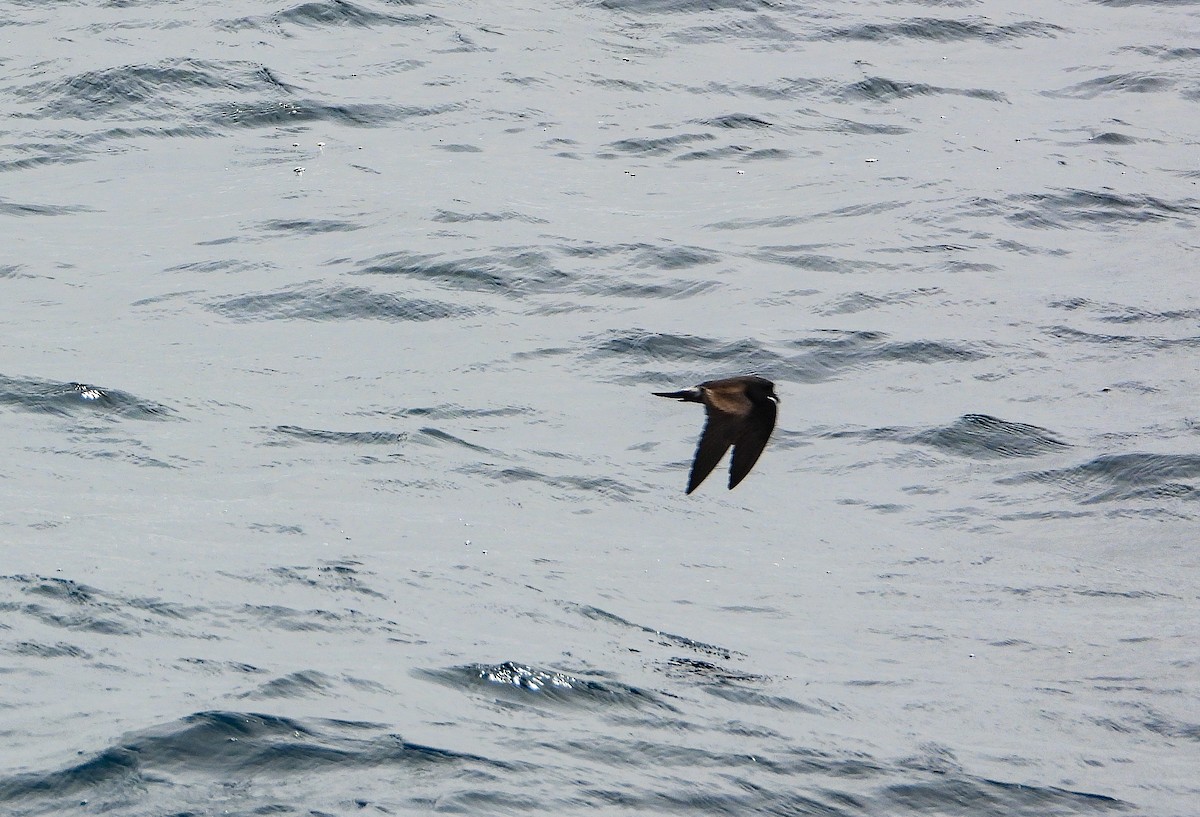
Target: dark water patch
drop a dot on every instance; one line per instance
(356, 438)
(683, 6)
(63, 612)
(282, 530)
(76, 399)
(451, 217)
(737, 121)
(1161, 51)
(617, 287)
(854, 128)
(663, 146)
(36, 649)
(524, 684)
(295, 112)
(107, 773)
(1113, 138)
(8, 208)
(221, 667)
(457, 148)
(1122, 313)
(1112, 477)
(980, 796)
(760, 27)
(147, 91)
(426, 436)
(821, 357)
(656, 348)
(862, 301)
(72, 146)
(226, 265)
(671, 257)
(335, 303)
(734, 151)
(1147, 342)
(797, 257)
(798, 88)
(944, 30)
(514, 274)
(308, 226)
(290, 619)
(1064, 209)
(1129, 83)
(694, 668)
(829, 352)
(590, 485)
(71, 605)
(658, 636)
(301, 684)
(342, 576)
(760, 154)
(667, 257)
(216, 747)
(448, 411)
(872, 788)
(434, 436)
(521, 273)
(750, 697)
(880, 89)
(334, 13)
(973, 435)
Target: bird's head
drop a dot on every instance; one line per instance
(761, 388)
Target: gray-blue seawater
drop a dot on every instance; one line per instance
(332, 478)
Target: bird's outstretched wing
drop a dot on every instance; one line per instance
(720, 432)
(756, 430)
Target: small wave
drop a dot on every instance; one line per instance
(65, 604)
(293, 111)
(335, 303)
(1148, 342)
(945, 30)
(575, 485)
(1068, 208)
(74, 399)
(340, 576)
(1137, 83)
(1127, 477)
(315, 226)
(162, 763)
(331, 13)
(1123, 313)
(668, 639)
(522, 683)
(316, 435)
(426, 436)
(879, 89)
(974, 435)
(663, 146)
(138, 92)
(684, 7)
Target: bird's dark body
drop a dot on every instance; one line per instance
(741, 413)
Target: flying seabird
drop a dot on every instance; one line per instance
(741, 413)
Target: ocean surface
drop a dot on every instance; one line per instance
(332, 481)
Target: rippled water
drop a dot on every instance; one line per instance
(334, 483)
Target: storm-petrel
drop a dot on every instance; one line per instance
(741, 412)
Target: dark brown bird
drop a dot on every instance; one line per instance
(741, 413)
